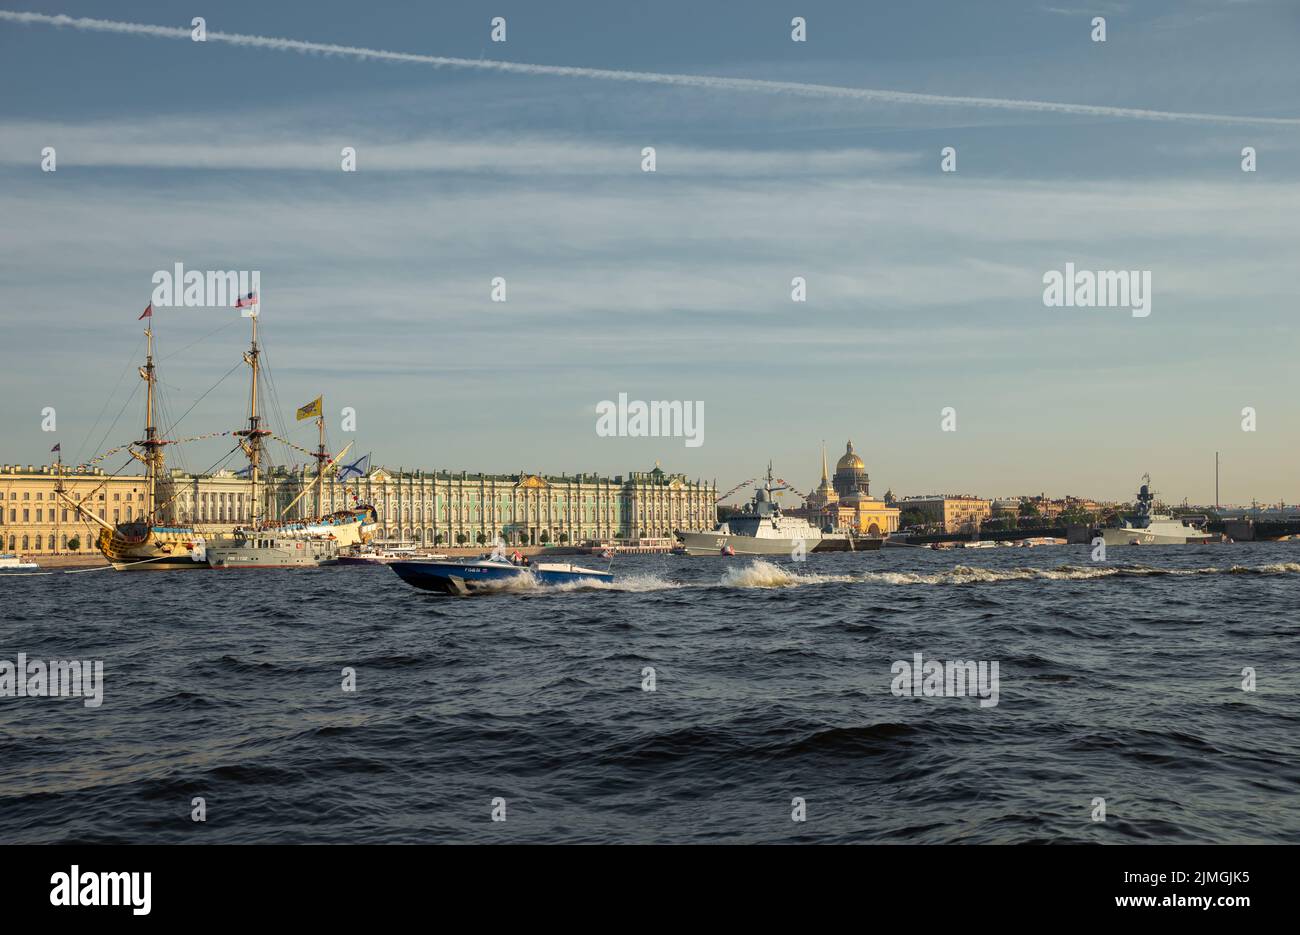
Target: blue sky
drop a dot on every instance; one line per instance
(925, 288)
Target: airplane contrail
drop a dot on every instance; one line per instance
(709, 82)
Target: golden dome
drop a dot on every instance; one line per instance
(850, 461)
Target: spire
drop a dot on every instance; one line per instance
(824, 474)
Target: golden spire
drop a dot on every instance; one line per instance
(824, 475)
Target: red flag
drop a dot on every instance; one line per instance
(148, 312)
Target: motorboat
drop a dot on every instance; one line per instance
(464, 577)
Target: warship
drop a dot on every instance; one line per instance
(1143, 527)
(762, 529)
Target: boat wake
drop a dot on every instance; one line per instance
(527, 584)
(762, 574)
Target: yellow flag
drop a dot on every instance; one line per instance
(311, 410)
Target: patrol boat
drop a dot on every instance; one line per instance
(1142, 527)
(762, 529)
(264, 549)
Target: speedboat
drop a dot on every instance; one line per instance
(460, 578)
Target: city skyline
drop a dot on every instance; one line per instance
(924, 288)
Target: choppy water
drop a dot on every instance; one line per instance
(1120, 681)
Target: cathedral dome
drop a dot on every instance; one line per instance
(850, 461)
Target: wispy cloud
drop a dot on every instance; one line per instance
(198, 144)
(705, 82)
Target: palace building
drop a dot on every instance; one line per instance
(442, 508)
(414, 507)
(845, 501)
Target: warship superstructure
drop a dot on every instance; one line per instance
(761, 529)
(1145, 527)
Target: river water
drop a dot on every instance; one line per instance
(776, 694)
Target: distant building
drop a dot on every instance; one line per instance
(425, 508)
(846, 502)
(957, 513)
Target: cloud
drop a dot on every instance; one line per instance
(195, 144)
(705, 82)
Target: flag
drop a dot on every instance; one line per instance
(357, 468)
(57, 447)
(247, 301)
(148, 312)
(311, 410)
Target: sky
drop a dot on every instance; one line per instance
(924, 287)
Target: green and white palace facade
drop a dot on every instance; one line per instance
(443, 508)
(415, 507)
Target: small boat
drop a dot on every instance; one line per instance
(460, 578)
(254, 548)
(727, 550)
(372, 556)
(10, 563)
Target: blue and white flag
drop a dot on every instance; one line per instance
(358, 468)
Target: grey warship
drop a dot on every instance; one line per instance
(1143, 527)
(762, 529)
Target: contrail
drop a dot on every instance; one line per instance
(641, 77)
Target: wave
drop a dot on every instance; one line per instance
(763, 574)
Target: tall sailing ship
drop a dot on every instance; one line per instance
(276, 543)
(144, 543)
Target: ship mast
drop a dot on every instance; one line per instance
(151, 442)
(254, 434)
(320, 457)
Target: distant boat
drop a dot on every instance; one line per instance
(263, 549)
(12, 563)
(760, 529)
(460, 578)
(1143, 527)
(372, 556)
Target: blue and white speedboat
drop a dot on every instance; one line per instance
(460, 578)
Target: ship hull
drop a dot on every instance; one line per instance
(270, 551)
(712, 543)
(348, 527)
(1146, 537)
(460, 579)
(158, 549)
